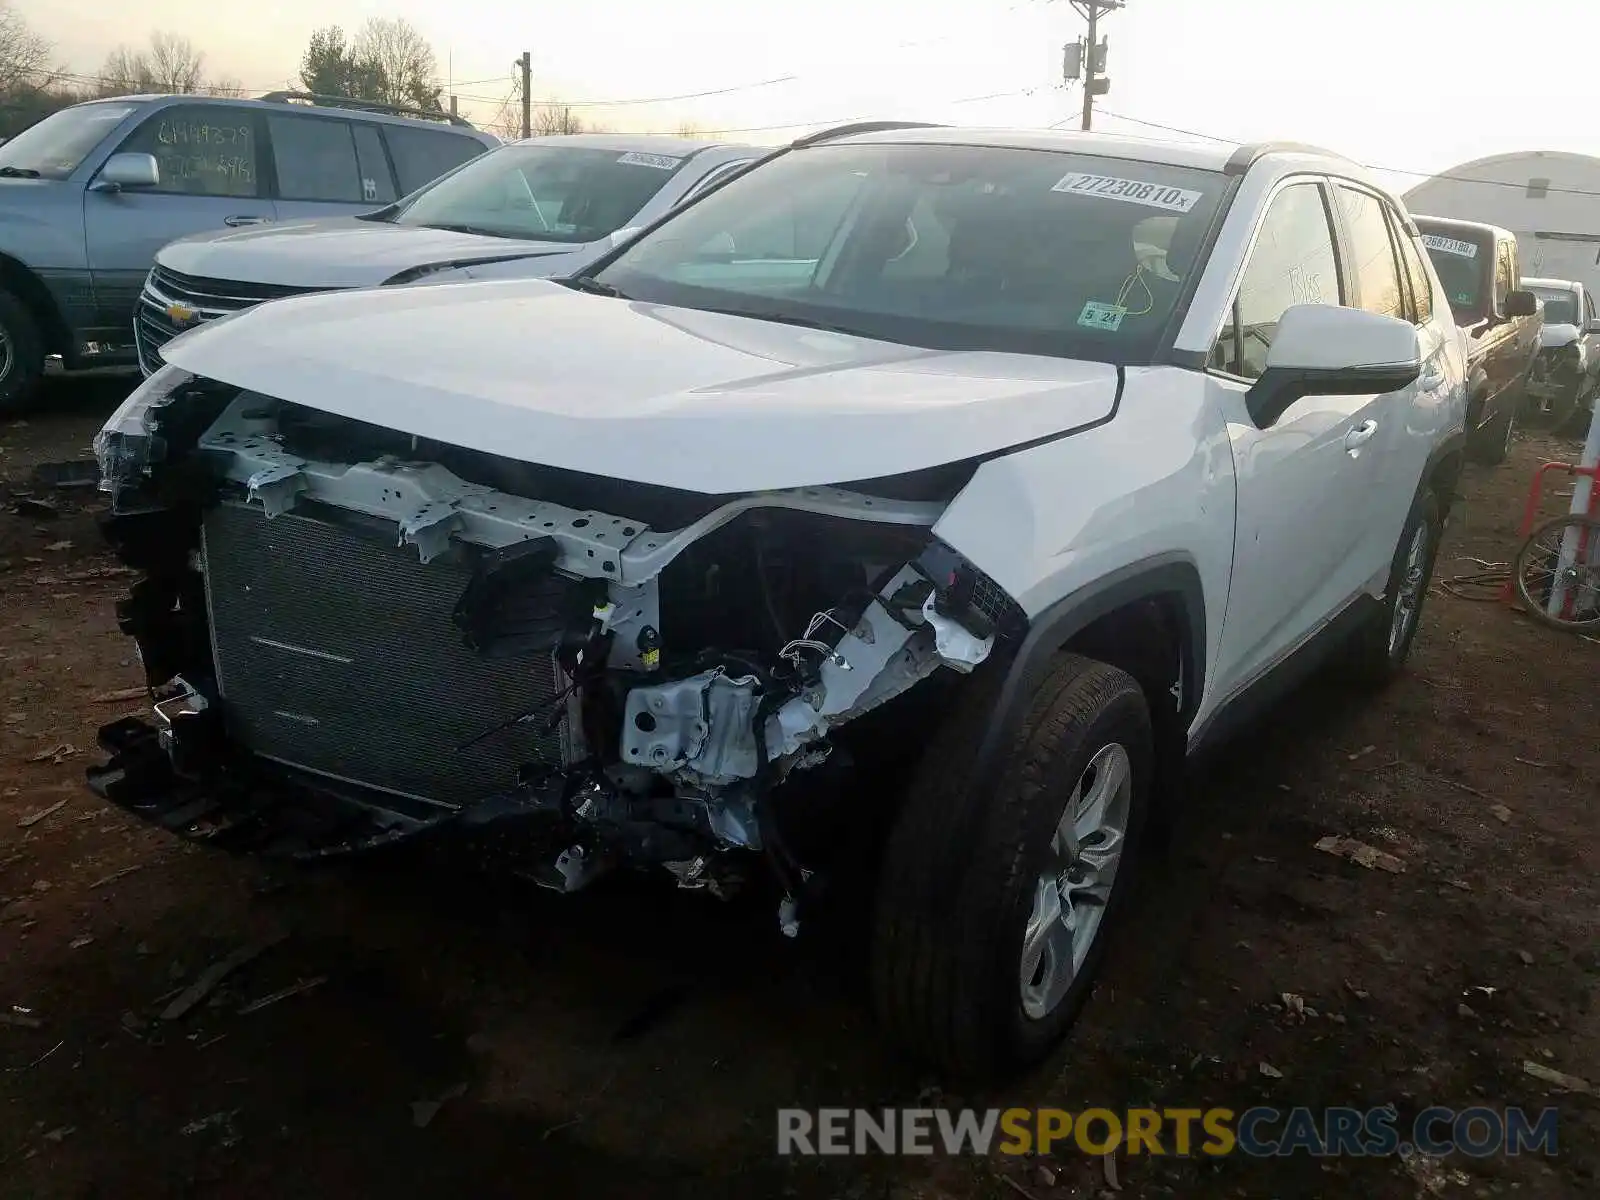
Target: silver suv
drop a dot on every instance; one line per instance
(90, 193)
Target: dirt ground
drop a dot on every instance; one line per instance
(636, 1042)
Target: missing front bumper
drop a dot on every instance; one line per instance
(245, 805)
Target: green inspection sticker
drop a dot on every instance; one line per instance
(1102, 316)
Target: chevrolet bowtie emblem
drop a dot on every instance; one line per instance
(181, 314)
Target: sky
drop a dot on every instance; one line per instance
(1412, 86)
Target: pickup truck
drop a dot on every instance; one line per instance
(1480, 270)
(90, 193)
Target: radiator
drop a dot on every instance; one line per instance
(335, 652)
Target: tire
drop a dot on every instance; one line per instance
(21, 355)
(1379, 651)
(1490, 443)
(965, 864)
(1537, 547)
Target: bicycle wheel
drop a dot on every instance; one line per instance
(1539, 573)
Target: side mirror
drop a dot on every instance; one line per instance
(1521, 304)
(127, 171)
(1592, 326)
(1324, 350)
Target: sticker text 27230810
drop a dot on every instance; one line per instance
(1153, 195)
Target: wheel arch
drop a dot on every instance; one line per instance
(1093, 620)
(1445, 465)
(20, 280)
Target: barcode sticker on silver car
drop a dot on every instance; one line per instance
(1450, 245)
(638, 158)
(1152, 195)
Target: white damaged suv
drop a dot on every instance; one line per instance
(1012, 468)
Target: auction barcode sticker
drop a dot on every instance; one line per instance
(1152, 195)
(1450, 245)
(637, 158)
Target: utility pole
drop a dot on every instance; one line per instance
(1087, 59)
(525, 65)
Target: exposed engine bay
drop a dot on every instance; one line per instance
(385, 635)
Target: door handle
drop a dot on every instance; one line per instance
(1360, 436)
(236, 221)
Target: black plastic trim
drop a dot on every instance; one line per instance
(1164, 574)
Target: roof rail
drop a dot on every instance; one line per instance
(1245, 157)
(377, 106)
(838, 131)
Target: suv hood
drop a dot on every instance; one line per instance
(343, 252)
(1553, 337)
(677, 397)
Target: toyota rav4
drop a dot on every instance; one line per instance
(1033, 461)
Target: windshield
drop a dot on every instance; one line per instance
(546, 193)
(1560, 306)
(1461, 268)
(53, 148)
(943, 246)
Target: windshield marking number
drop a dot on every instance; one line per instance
(1450, 245)
(1152, 195)
(661, 162)
(1096, 315)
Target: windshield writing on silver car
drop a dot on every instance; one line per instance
(543, 192)
(944, 246)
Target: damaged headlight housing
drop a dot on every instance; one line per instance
(127, 443)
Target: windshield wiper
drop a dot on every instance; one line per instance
(783, 319)
(18, 173)
(479, 230)
(588, 283)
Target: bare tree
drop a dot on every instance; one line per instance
(553, 117)
(124, 73)
(175, 65)
(171, 64)
(404, 60)
(227, 86)
(23, 53)
(689, 129)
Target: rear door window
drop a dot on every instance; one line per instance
(377, 181)
(315, 159)
(200, 150)
(422, 155)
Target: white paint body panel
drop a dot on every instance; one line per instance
(687, 399)
(1284, 527)
(344, 252)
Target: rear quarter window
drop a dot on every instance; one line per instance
(422, 155)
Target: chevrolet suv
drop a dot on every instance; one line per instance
(90, 193)
(532, 208)
(1010, 468)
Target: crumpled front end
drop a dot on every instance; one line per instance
(359, 636)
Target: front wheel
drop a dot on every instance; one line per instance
(997, 896)
(21, 355)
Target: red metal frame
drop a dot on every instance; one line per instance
(1530, 510)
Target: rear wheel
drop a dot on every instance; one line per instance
(997, 896)
(21, 355)
(1490, 443)
(1381, 648)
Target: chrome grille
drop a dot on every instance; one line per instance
(336, 652)
(154, 325)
